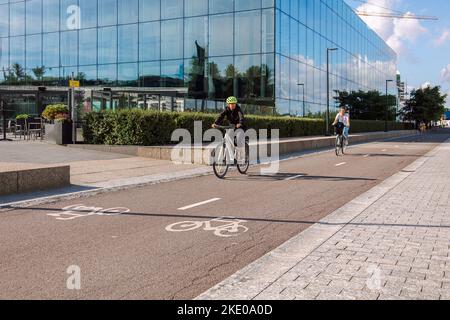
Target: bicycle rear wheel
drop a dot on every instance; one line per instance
(220, 165)
(243, 168)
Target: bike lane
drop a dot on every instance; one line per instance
(152, 249)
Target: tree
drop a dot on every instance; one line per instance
(39, 72)
(426, 104)
(368, 105)
(18, 71)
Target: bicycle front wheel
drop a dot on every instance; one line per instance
(338, 146)
(220, 165)
(243, 168)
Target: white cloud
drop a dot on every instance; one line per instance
(445, 74)
(398, 33)
(443, 38)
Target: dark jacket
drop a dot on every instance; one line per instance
(234, 117)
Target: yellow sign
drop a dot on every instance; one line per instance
(74, 84)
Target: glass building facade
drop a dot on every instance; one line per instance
(257, 50)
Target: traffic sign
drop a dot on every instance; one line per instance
(74, 84)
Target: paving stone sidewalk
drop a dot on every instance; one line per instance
(396, 247)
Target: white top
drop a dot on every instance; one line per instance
(343, 119)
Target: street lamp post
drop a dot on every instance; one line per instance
(387, 108)
(304, 109)
(327, 119)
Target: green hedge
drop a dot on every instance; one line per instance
(147, 128)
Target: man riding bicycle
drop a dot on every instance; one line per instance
(235, 116)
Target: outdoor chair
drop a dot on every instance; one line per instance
(21, 129)
(35, 127)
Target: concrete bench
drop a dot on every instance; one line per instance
(22, 178)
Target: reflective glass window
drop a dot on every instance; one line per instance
(172, 39)
(127, 74)
(268, 31)
(172, 73)
(248, 32)
(149, 10)
(88, 47)
(50, 10)
(34, 16)
(221, 73)
(17, 50)
(51, 49)
(195, 7)
(69, 48)
(248, 76)
(172, 9)
(4, 53)
(150, 74)
(34, 51)
(247, 4)
(195, 37)
(128, 11)
(17, 14)
(107, 45)
(221, 35)
(107, 12)
(88, 9)
(149, 41)
(221, 6)
(107, 74)
(128, 43)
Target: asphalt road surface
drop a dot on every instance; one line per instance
(147, 252)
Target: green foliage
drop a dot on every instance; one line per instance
(22, 117)
(427, 104)
(368, 105)
(52, 112)
(147, 128)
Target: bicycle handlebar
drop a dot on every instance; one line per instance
(225, 127)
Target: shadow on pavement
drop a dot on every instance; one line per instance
(4, 200)
(295, 177)
(248, 219)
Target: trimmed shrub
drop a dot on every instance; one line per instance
(149, 128)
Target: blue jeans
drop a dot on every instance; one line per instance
(346, 132)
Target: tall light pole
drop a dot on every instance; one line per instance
(327, 120)
(304, 109)
(387, 107)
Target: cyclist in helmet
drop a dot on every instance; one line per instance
(235, 116)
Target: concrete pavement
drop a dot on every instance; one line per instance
(390, 243)
(173, 240)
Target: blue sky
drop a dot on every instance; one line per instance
(423, 47)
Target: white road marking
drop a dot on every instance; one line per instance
(366, 156)
(222, 227)
(341, 164)
(199, 204)
(294, 177)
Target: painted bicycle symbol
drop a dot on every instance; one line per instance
(81, 211)
(222, 227)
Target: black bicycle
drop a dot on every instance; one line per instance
(221, 165)
(340, 144)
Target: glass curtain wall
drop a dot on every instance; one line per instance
(215, 48)
(305, 29)
(258, 50)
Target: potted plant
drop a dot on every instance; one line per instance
(58, 130)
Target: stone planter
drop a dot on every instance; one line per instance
(59, 133)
